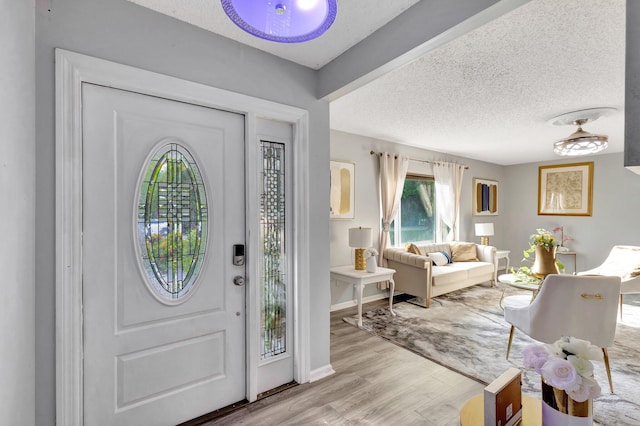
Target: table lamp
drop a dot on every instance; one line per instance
(484, 231)
(358, 238)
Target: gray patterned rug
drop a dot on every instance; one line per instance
(465, 331)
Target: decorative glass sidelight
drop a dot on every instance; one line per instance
(273, 264)
(172, 222)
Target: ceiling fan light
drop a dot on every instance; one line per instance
(581, 143)
(283, 21)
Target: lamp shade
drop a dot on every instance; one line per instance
(359, 237)
(484, 229)
(283, 21)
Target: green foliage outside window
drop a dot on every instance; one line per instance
(416, 216)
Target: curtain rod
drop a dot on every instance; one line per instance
(415, 159)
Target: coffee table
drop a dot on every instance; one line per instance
(511, 280)
(472, 412)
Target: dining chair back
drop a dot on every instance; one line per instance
(584, 307)
(624, 262)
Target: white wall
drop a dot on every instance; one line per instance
(616, 207)
(126, 33)
(356, 149)
(17, 192)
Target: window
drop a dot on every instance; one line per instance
(416, 216)
(172, 222)
(273, 260)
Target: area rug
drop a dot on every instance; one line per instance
(466, 332)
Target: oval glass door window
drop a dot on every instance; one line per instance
(172, 222)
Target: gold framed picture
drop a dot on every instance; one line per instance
(565, 189)
(342, 193)
(485, 197)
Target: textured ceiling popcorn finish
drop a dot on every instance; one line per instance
(486, 95)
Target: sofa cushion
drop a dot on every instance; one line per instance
(412, 248)
(477, 269)
(443, 275)
(460, 271)
(464, 252)
(439, 258)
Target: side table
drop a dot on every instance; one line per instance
(348, 274)
(503, 254)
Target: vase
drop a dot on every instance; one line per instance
(372, 265)
(558, 409)
(545, 262)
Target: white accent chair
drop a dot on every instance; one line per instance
(584, 307)
(623, 262)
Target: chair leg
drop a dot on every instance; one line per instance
(620, 306)
(606, 364)
(513, 328)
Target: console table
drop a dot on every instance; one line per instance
(348, 274)
(570, 253)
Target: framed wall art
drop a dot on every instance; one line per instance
(485, 197)
(565, 189)
(342, 194)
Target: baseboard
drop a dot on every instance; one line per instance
(351, 303)
(320, 373)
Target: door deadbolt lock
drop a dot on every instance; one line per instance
(238, 254)
(238, 280)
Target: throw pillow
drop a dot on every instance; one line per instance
(463, 252)
(445, 254)
(412, 248)
(438, 259)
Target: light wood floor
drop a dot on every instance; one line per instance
(376, 383)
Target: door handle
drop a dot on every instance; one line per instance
(238, 280)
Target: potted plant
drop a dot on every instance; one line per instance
(544, 245)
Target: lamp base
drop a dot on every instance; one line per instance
(484, 241)
(361, 262)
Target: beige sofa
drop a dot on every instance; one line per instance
(417, 275)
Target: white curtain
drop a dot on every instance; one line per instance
(448, 182)
(393, 171)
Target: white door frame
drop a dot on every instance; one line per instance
(74, 69)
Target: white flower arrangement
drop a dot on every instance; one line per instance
(369, 253)
(565, 365)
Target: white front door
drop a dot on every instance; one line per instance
(163, 321)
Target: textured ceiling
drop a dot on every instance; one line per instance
(355, 21)
(489, 94)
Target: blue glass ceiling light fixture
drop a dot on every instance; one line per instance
(283, 21)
